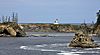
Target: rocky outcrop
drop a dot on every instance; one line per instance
(83, 41)
(11, 30)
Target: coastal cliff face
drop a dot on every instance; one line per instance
(11, 29)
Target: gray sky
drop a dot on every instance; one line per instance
(46, 11)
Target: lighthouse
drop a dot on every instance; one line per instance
(56, 21)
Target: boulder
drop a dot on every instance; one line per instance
(83, 41)
(13, 30)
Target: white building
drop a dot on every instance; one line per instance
(56, 21)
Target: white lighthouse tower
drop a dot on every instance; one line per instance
(56, 21)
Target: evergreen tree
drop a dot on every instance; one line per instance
(16, 18)
(98, 18)
(13, 17)
(6, 19)
(3, 19)
(9, 19)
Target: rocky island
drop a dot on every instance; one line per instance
(83, 41)
(10, 27)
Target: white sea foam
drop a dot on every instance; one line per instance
(96, 48)
(67, 54)
(91, 48)
(48, 50)
(44, 45)
(74, 50)
(23, 47)
(26, 48)
(76, 53)
(88, 49)
(32, 48)
(51, 45)
(85, 52)
(58, 45)
(37, 47)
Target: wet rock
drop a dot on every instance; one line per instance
(83, 41)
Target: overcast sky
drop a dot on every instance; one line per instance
(46, 11)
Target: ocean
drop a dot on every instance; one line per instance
(56, 44)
